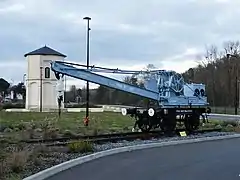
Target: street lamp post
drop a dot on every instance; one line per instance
(87, 93)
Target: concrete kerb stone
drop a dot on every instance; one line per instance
(69, 164)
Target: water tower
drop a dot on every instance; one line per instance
(41, 93)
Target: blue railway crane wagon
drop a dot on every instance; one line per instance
(174, 100)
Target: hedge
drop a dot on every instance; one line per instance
(12, 106)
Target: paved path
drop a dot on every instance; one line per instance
(216, 160)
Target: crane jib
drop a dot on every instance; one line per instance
(83, 74)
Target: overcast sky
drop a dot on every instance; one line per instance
(129, 34)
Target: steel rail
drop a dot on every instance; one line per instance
(135, 136)
(113, 137)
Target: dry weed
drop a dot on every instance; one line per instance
(17, 161)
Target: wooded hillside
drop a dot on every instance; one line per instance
(218, 70)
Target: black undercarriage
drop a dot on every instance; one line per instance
(167, 118)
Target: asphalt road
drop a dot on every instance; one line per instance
(202, 161)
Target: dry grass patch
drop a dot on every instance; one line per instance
(17, 161)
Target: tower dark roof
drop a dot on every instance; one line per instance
(45, 51)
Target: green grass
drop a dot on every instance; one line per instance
(224, 110)
(102, 122)
(227, 126)
(24, 125)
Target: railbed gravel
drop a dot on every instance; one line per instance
(53, 158)
(123, 143)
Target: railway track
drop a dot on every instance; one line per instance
(114, 137)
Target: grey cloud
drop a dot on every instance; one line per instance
(123, 32)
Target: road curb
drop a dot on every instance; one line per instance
(69, 164)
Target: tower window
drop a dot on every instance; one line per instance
(47, 72)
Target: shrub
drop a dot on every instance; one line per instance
(81, 147)
(50, 133)
(18, 160)
(237, 129)
(14, 177)
(12, 106)
(3, 168)
(233, 123)
(81, 105)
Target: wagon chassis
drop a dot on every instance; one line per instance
(167, 118)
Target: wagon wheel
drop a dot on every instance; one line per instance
(168, 126)
(192, 123)
(144, 125)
